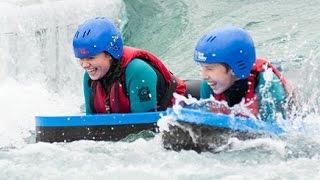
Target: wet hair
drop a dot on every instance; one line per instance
(226, 66)
(234, 94)
(113, 74)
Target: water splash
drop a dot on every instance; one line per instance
(39, 75)
(35, 40)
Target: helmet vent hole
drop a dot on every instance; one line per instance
(88, 32)
(241, 65)
(84, 34)
(77, 34)
(211, 38)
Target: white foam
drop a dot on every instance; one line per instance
(39, 74)
(20, 102)
(36, 37)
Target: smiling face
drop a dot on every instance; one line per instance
(97, 66)
(218, 76)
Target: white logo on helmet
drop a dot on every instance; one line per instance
(200, 56)
(113, 42)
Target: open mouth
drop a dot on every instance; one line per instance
(92, 70)
(212, 84)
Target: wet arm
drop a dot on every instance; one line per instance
(205, 90)
(87, 93)
(272, 96)
(141, 83)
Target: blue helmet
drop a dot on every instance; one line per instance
(95, 36)
(230, 45)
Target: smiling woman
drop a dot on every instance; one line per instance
(96, 66)
(121, 79)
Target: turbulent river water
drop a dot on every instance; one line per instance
(40, 76)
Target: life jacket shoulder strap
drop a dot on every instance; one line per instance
(172, 83)
(262, 64)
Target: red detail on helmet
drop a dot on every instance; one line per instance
(84, 51)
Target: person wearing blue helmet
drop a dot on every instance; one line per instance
(231, 72)
(118, 78)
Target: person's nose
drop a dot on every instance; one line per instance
(84, 63)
